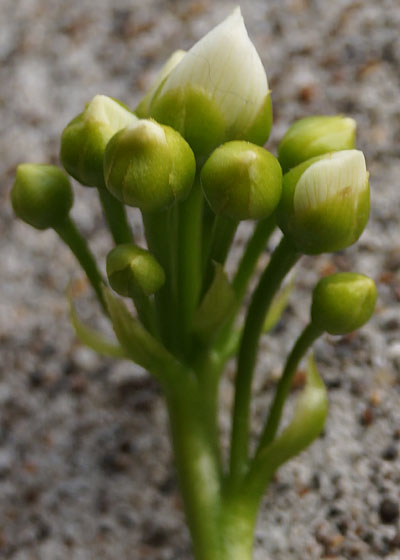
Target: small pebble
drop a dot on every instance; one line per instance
(367, 417)
(390, 453)
(389, 511)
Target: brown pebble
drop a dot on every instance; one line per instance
(389, 511)
(367, 417)
(390, 453)
(78, 384)
(395, 542)
(375, 398)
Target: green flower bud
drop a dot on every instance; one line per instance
(133, 271)
(42, 195)
(315, 136)
(143, 109)
(343, 302)
(218, 91)
(149, 166)
(325, 202)
(242, 181)
(84, 139)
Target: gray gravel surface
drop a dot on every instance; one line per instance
(85, 466)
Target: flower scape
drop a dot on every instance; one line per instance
(190, 157)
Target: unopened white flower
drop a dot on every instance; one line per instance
(84, 139)
(109, 112)
(218, 91)
(325, 202)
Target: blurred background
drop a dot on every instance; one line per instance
(85, 466)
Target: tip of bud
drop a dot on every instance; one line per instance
(149, 131)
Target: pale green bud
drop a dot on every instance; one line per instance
(42, 195)
(315, 136)
(133, 271)
(84, 139)
(325, 202)
(143, 109)
(149, 166)
(218, 91)
(242, 181)
(343, 302)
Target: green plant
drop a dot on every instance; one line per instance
(191, 160)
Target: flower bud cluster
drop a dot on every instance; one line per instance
(208, 112)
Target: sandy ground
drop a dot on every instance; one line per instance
(85, 466)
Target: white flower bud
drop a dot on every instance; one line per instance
(84, 139)
(325, 202)
(218, 92)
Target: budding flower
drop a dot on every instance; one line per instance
(149, 166)
(133, 271)
(42, 195)
(315, 136)
(242, 181)
(218, 91)
(325, 202)
(343, 302)
(84, 139)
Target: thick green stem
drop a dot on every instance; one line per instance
(160, 236)
(223, 232)
(303, 343)
(282, 260)
(237, 524)
(115, 215)
(189, 261)
(70, 234)
(227, 341)
(256, 245)
(197, 466)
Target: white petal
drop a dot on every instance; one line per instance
(339, 173)
(106, 110)
(225, 63)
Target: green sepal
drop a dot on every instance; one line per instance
(92, 338)
(278, 306)
(216, 307)
(308, 418)
(260, 129)
(140, 346)
(306, 425)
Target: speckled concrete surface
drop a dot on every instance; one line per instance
(85, 466)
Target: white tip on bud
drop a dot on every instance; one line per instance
(341, 174)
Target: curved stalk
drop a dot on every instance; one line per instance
(282, 260)
(303, 343)
(72, 237)
(115, 214)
